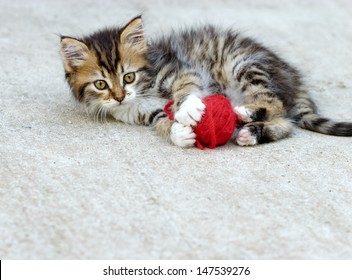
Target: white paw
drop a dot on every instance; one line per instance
(182, 135)
(246, 138)
(244, 114)
(190, 111)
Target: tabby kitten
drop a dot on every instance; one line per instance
(115, 71)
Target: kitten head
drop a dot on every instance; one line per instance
(108, 68)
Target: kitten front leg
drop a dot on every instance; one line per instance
(190, 111)
(182, 135)
(187, 116)
(185, 87)
(187, 90)
(179, 134)
(142, 111)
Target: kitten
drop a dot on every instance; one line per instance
(115, 71)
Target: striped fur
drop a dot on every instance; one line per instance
(193, 62)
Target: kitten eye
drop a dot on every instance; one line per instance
(100, 84)
(129, 78)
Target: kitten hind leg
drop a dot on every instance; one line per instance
(250, 113)
(259, 132)
(261, 121)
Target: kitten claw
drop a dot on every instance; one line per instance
(182, 136)
(190, 111)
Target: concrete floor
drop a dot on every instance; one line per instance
(75, 188)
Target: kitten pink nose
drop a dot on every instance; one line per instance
(119, 98)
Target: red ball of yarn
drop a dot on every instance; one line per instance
(218, 122)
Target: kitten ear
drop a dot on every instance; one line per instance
(74, 53)
(132, 34)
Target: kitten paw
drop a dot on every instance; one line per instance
(190, 111)
(248, 115)
(246, 137)
(182, 136)
(244, 114)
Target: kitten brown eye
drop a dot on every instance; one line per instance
(129, 78)
(100, 84)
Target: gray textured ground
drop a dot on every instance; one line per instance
(72, 187)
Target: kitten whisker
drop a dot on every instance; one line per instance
(96, 112)
(101, 113)
(104, 113)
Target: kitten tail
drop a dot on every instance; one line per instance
(316, 123)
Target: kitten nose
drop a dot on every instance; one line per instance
(119, 98)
